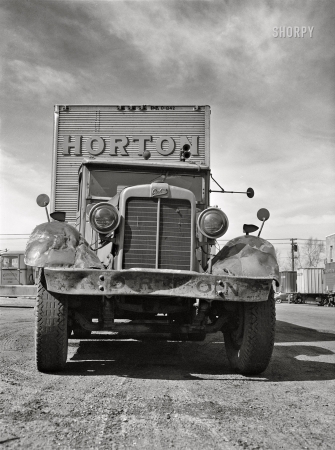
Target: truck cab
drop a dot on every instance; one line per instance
(150, 211)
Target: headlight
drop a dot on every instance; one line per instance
(213, 223)
(104, 218)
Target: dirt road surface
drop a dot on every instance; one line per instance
(124, 394)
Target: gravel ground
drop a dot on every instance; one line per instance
(122, 394)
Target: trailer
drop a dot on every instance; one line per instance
(311, 283)
(288, 282)
(305, 284)
(17, 279)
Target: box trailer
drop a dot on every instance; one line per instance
(288, 282)
(310, 281)
(302, 285)
(16, 278)
(13, 269)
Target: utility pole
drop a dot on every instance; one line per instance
(294, 248)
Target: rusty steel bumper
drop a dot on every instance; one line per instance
(151, 282)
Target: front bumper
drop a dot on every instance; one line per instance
(151, 282)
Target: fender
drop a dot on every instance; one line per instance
(247, 256)
(58, 244)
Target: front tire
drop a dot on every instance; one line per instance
(51, 333)
(249, 347)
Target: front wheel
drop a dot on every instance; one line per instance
(249, 346)
(51, 331)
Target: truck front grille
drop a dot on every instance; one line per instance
(157, 233)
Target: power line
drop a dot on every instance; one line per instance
(314, 240)
(283, 243)
(299, 239)
(281, 239)
(13, 239)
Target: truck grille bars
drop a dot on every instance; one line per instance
(157, 234)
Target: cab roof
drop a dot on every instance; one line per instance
(108, 163)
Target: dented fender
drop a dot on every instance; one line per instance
(58, 244)
(247, 256)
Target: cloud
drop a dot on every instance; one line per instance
(33, 80)
(20, 183)
(218, 51)
(180, 42)
(223, 45)
(272, 99)
(304, 218)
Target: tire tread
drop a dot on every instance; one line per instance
(256, 350)
(50, 329)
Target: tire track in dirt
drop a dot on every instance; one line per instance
(121, 394)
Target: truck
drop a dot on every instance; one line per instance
(304, 284)
(128, 248)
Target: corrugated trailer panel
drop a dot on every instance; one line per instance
(310, 281)
(330, 277)
(288, 282)
(83, 131)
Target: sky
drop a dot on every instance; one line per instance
(272, 98)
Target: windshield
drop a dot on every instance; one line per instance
(10, 262)
(104, 183)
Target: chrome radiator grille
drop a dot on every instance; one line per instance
(157, 234)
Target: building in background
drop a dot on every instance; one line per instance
(329, 263)
(330, 245)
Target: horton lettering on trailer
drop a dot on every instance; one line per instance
(96, 145)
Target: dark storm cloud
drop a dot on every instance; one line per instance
(223, 50)
(66, 37)
(272, 98)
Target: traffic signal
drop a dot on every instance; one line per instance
(295, 247)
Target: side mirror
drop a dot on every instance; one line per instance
(250, 192)
(263, 215)
(43, 201)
